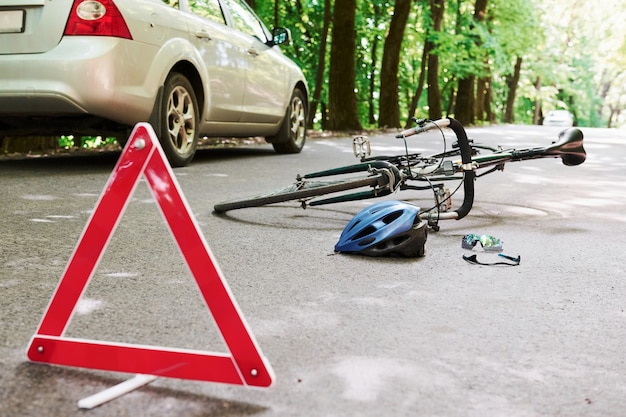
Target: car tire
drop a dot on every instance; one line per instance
(292, 134)
(179, 120)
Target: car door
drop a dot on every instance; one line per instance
(266, 88)
(224, 60)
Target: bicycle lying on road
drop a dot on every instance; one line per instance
(378, 176)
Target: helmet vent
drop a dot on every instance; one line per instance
(400, 239)
(354, 225)
(367, 241)
(392, 216)
(365, 232)
(381, 246)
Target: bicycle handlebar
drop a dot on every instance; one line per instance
(424, 126)
(466, 160)
(469, 174)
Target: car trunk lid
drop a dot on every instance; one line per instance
(32, 26)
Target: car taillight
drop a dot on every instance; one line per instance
(96, 18)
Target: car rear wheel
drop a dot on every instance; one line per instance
(292, 134)
(179, 120)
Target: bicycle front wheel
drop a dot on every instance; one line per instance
(299, 191)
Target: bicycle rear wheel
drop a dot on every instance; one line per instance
(300, 191)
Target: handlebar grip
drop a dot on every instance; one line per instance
(424, 127)
(469, 175)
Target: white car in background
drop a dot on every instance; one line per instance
(559, 118)
(190, 67)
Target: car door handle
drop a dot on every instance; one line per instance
(202, 34)
(253, 52)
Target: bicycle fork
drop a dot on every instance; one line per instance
(389, 179)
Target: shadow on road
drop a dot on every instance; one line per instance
(37, 390)
(99, 161)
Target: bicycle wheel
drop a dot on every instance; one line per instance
(299, 191)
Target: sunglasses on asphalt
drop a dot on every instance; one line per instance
(488, 243)
(514, 261)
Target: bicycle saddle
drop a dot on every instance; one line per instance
(569, 147)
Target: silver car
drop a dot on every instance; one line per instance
(190, 67)
(559, 118)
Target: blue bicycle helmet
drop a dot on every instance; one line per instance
(386, 228)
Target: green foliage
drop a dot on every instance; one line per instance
(576, 53)
(85, 142)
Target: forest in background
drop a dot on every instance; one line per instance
(377, 63)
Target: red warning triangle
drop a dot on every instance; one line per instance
(243, 365)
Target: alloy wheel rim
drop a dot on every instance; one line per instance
(181, 119)
(298, 122)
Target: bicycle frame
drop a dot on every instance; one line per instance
(569, 148)
(387, 174)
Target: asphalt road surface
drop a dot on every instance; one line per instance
(345, 335)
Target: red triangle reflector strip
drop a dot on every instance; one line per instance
(243, 364)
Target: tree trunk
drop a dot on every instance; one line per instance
(605, 87)
(342, 103)
(389, 110)
(464, 110)
(434, 95)
(451, 101)
(379, 15)
(321, 67)
(276, 12)
(512, 82)
(437, 8)
(420, 85)
(482, 85)
(489, 113)
(372, 86)
(538, 116)
(430, 64)
(479, 10)
(30, 144)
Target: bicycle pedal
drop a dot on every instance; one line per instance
(361, 147)
(445, 199)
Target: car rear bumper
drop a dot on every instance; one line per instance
(82, 75)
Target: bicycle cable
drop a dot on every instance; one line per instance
(406, 147)
(433, 187)
(439, 203)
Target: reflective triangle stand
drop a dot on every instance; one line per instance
(116, 391)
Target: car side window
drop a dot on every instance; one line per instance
(209, 9)
(245, 21)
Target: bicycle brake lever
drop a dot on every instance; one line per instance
(419, 122)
